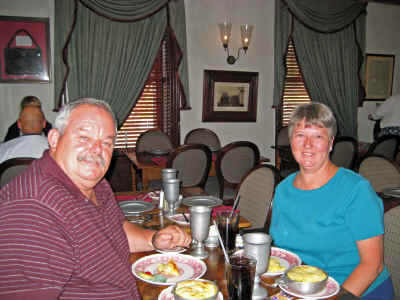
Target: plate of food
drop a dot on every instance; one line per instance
(209, 201)
(135, 207)
(168, 294)
(168, 269)
(281, 260)
(391, 192)
(331, 289)
(180, 219)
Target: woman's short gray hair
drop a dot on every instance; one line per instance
(314, 113)
(64, 114)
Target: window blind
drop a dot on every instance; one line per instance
(295, 92)
(146, 113)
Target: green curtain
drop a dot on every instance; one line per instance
(329, 40)
(112, 48)
(282, 33)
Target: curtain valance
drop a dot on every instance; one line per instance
(125, 10)
(326, 15)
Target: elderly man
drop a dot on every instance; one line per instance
(62, 234)
(14, 130)
(32, 143)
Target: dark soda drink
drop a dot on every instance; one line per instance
(240, 277)
(228, 227)
(228, 235)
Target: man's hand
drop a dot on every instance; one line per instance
(171, 237)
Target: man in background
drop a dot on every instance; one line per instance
(389, 114)
(14, 131)
(31, 143)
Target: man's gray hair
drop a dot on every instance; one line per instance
(64, 114)
(314, 113)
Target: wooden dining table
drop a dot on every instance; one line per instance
(216, 271)
(151, 167)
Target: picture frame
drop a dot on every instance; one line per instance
(230, 96)
(24, 50)
(379, 70)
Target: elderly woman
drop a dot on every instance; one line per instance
(330, 216)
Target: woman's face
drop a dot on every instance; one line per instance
(311, 145)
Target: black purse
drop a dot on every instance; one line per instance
(23, 61)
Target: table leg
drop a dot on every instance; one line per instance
(133, 172)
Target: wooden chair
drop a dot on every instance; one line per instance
(380, 171)
(392, 246)
(13, 167)
(153, 139)
(256, 192)
(344, 152)
(233, 162)
(203, 136)
(193, 163)
(387, 146)
(284, 160)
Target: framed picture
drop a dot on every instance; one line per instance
(24, 49)
(230, 96)
(379, 76)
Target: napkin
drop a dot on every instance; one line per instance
(141, 197)
(159, 160)
(222, 208)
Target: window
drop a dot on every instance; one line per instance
(295, 92)
(156, 106)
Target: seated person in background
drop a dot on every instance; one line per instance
(330, 216)
(62, 233)
(389, 115)
(31, 143)
(14, 131)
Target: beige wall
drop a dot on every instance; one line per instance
(206, 52)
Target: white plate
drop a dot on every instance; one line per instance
(159, 151)
(135, 207)
(176, 250)
(167, 295)
(179, 219)
(209, 201)
(391, 192)
(331, 289)
(189, 267)
(286, 259)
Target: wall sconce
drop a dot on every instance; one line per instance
(245, 32)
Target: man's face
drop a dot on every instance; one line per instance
(85, 149)
(31, 120)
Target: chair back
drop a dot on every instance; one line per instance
(283, 137)
(153, 139)
(13, 167)
(392, 247)
(256, 191)
(380, 171)
(193, 163)
(203, 136)
(386, 146)
(233, 162)
(344, 152)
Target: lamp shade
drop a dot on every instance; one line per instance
(225, 32)
(245, 32)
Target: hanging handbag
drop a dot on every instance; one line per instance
(23, 61)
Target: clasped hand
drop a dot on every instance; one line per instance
(171, 237)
